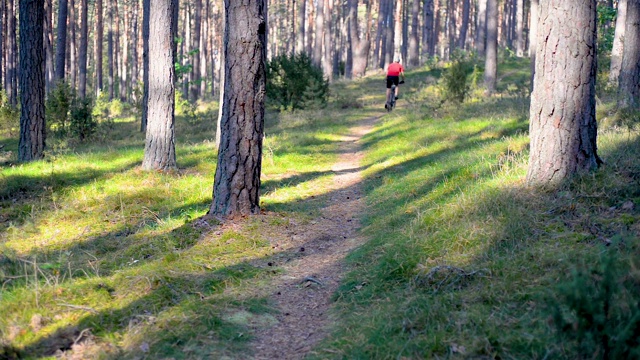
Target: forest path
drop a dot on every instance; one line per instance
(302, 294)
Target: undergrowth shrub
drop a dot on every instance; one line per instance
(597, 312)
(82, 125)
(293, 82)
(9, 116)
(57, 108)
(455, 79)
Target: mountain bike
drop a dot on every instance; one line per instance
(391, 99)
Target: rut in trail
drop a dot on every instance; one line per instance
(303, 293)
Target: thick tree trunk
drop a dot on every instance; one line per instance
(146, 5)
(32, 82)
(618, 41)
(98, 47)
(82, 49)
(359, 46)
(481, 34)
(491, 60)
(159, 150)
(562, 116)
(61, 42)
(629, 90)
(236, 190)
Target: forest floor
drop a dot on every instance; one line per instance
(303, 293)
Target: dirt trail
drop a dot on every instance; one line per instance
(303, 293)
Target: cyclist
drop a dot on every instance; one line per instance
(395, 71)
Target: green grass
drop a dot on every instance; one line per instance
(462, 259)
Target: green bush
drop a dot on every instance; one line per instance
(597, 312)
(82, 124)
(293, 82)
(9, 116)
(57, 108)
(455, 79)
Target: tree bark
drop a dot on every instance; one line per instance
(61, 42)
(146, 5)
(236, 190)
(618, 43)
(520, 28)
(98, 47)
(159, 151)
(359, 46)
(82, 49)
(562, 117)
(32, 82)
(301, 12)
(629, 89)
(491, 60)
(428, 43)
(11, 78)
(481, 34)
(195, 69)
(464, 24)
(318, 34)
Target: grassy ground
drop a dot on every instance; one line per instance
(463, 261)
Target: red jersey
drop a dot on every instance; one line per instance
(394, 69)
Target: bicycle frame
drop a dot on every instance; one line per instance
(391, 99)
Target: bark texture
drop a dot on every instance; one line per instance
(562, 115)
(629, 89)
(82, 51)
(159, 150)
(32, 82)
(61, 40)
(491, 60)
(618, 38)
(236, 190)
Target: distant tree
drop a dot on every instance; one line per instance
(159, 150)
(629, 88)
(98, 45)
(491, 60)
(32, 82)
(618, 40)
(562, 117)
(481, 26)
(82, 49)
(61, 43)
(237, 180)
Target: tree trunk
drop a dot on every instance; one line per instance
(146, 5)
(61, 42)
(428, 43)
(629, 89)
(359, 46)
(520, 28)
(236, 190)
(98, 47)
(82, 48)
(618, 43)
(159, 150)
(32, 82)
(301, 12)
(318, 34)
(50, 73)
(562, 116)
(327, 56)
(110, 57)
(11, 78)
(491, 60)
(464, 24)
(481, 34)
(195, 69)
(73, 48)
